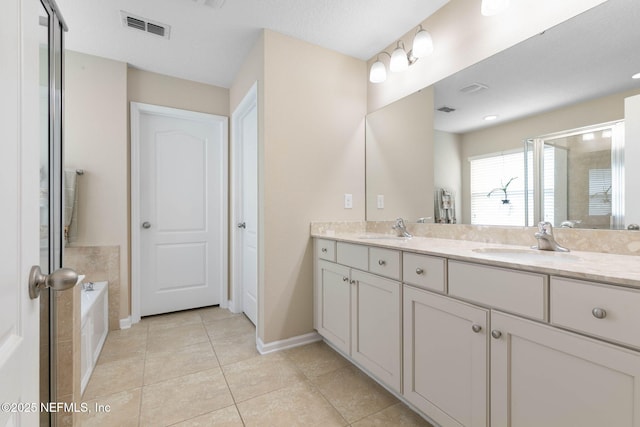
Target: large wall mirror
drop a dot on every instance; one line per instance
(576, 75)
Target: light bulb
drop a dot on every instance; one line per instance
(399, 60)
(378, 72)
(493, 7)
(422, 44)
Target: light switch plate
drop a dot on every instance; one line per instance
(380, 201)
(348, 201)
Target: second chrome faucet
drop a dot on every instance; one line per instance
(546, 241)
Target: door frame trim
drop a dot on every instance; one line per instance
(235, 297)
(137, 109)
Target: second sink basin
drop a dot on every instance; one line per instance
(526, 255)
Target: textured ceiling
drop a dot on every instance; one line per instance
(208, 45)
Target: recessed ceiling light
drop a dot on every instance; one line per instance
(491, 117)
(636, 76)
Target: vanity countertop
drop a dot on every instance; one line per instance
(609, 268)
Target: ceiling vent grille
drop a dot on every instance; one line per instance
(142, 24)
(473, 88)
(446, 109)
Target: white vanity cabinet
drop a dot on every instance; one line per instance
(358, 312)
(446, 358)
(544, 376)
(472, 344)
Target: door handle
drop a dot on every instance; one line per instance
(242, 225)
(60, 280)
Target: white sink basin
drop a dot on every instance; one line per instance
(526, 255)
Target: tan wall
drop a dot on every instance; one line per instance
(462, 37)
(314, 109)
(158, 89)
(96, 141)
(399, 158)
(510, 135)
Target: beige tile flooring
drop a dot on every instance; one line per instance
(201, 368)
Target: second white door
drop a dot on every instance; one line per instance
(182, 207)
(246, 194)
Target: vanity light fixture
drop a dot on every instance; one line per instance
(399, 59)
(378, 72)
(493, 7)
(491, 117)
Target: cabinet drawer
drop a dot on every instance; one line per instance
(514, 291)
(574, 304)
(385, 262)
(356, 256)
(326, 249)
(424, 271)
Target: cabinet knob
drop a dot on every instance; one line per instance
(382, 262)
(496, 333)
(353, 282)
(324, 250)
(599, 313)
(419, 271)
(345, 279)
(476, 328)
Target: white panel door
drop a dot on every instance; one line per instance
(246, 193)
(182, 211)
(19, 224)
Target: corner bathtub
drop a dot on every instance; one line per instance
(94, 324)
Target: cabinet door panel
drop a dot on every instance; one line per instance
(542, 376)
(333, 308)
(445, 361)
(376, 334)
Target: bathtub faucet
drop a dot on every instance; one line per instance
(87, 286)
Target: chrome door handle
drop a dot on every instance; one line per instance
(496, 333)
(476, 328)
(419, 271)
(146, 224)
(382, 262)
(59, 280)
(242, 225)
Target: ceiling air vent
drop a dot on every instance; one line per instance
(142, 24)
(446, 109)
(473, 88)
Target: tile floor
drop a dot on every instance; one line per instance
(200, 368)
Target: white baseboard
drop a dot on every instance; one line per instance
(125, 323)
(288, 343)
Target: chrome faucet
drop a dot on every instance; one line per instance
(401, 228)
(570, 223)
(546, 242)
